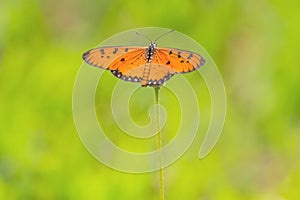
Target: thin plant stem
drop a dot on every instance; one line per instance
(159, 145)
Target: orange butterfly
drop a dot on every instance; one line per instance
(152, 66)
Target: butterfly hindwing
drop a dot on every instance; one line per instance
(159, 74)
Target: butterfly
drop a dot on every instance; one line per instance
(151, 66)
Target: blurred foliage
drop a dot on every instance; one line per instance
(254, 43)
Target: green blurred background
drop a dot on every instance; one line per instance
(255, 45)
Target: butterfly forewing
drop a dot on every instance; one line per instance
(128, 61)
(181, 61)
(103, 56)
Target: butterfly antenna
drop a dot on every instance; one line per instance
(144, 36)
(163, 35)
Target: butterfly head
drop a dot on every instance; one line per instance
(152, 45)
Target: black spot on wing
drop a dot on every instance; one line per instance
(115, 51)
(102, 51)
(190, 56)
(196, 64)
(167, 63)
(126, 50)
(119, 75)
(122, 59)
(178, 55)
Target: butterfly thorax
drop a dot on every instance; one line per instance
(150, 51)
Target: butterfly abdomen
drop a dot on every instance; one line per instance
(146, 74)
(150, 51)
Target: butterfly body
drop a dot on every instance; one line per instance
(150, 51)
(151, 66)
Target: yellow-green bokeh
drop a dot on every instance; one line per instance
(256, 47)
